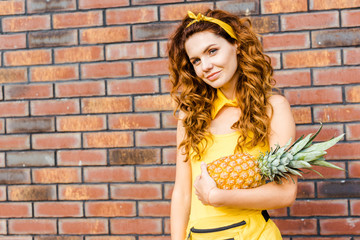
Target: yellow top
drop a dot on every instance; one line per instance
(220, 146)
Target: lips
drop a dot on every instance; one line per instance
(213, 76)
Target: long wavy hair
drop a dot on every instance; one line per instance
(195, 98)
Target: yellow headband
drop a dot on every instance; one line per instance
(201, 17)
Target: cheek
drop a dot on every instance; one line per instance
(198, 71)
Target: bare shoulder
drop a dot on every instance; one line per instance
(278, 101)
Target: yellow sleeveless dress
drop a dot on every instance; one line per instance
(247, 224)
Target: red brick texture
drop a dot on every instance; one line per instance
(87, 134)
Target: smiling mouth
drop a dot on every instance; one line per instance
(213, 76)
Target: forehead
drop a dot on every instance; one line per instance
(200, 41)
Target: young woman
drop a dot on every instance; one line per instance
(222, 83)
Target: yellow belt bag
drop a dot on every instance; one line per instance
(254, 227)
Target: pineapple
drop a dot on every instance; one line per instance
(242, 170)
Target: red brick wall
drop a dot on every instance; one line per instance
(86, 129)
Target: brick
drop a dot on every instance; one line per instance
(106, 105)
(15, 238)
(53, 38)
(352, 94)
(3, 228)
(15, 210)
(333, 76)
(59, 238)
(168, 120)
(154, 103)
(32, 226)
(147, 2)
(14, 109)
(30, 159)
(296, 226)
(133, 86)
(305, 190)
(12, 7)
(80, 123)
(109, 174)
(106, 70)
(77, 19)
(283, 6)
(306, 96)
(353, 131)
(14, 142)
(351, 56)
(110, 209)
(344, 151)
(134, 121)
(56, 141)
(32, 193)
(110, 238)
(337, 113)
(152, 31)
(40, 6)
(54, 73)
(2, 126)
(79, 54)
(324, 4)
(265, 24)
(55, 107)
(105, 35)
(154, 209)
(136, 191)
(179, 11)
(108, 139)
(239, 7)
(163, 48)
(58, 209)
(83, 192)
(131, 50)
(29, 23)
(327, 132)
(155, 174)
(316, 20)
(292, 78)
(56, 175)
(13, 41)
(131, 156)
(339, 189)
(13, 75)
(80, 89)
(317, 58)
(90, 4)
(340, 226)
(83, 226)
(319, 208)
(81, 157)
(14, 176)
(285, 41)
(131, 15)
(30, 91)
(350, 18)
(155, 138)
(30, 125)
(336, 38)
(155, 238)
(136, 226)
(354, 172)
(168, 190)
(151, 67)
(355, 207)
(2, 195)
(169, 155)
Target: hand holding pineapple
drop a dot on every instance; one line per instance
(241, 170)
(204, 185)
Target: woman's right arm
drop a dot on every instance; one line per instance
(181, 196)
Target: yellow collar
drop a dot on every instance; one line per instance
(221, 101)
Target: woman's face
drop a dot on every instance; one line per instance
(214, 60)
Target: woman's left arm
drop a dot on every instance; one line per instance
(268, 196)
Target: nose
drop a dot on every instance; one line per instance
(206, 64)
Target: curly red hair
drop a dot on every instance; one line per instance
(194, 97)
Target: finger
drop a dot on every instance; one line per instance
(203, 167)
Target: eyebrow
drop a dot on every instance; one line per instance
(205, 50)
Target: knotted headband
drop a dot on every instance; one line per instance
(201, 17)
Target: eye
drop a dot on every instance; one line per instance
(195, 61)
(212, 51)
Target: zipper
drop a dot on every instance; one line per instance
(210, 230)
